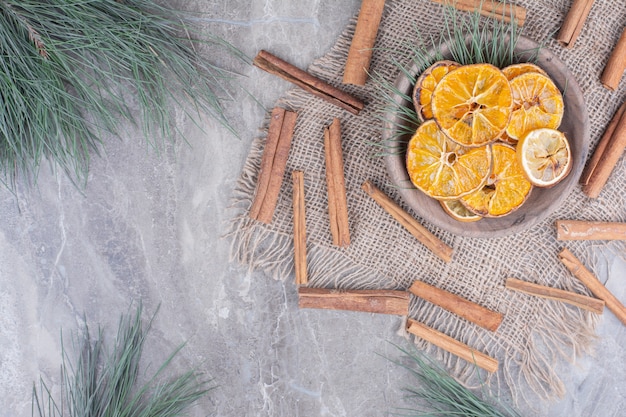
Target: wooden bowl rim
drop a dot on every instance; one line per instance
(543, 201)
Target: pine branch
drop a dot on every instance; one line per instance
(101, 384)
(69, 68)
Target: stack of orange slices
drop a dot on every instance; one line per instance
(488, 137)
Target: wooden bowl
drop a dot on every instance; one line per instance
(542, 201)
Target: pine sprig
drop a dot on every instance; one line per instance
(468, 38)
(103, 384)
(69, 70)
(439, 394)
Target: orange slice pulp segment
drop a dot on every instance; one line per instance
(443, 169)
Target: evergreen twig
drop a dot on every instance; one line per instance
(439, 394)
(470, 38)
(101, 384)
(70, 69)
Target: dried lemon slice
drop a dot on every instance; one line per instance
(545, 156)
(456, 210)
(515, 70)
(537, 103)
(442, 168)
(426, 83)
(506, 189)
(472, 104)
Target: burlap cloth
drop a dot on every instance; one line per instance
(535, 333)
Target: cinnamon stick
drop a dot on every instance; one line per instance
(606, 155)
(601, 147)
(595, 286)
(574, 22)
(616, 65)
(370, 301)
(505, 12)
(276, 66)
(299, 228)
(588, 230)
(405, 219)
(273, 164)
(470, 311)
(335, 181)
(360, 53)
(451, 345)
(588, 303)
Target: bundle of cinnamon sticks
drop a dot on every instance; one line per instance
(274, 163)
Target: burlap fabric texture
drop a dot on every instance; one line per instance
(536, 334)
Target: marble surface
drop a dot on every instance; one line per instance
(150, 227)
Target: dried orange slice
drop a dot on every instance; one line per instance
(545, 156)
(456, 210)
(515, 70)
(426, 83)
(506, 189)
(507, 139)
(537, 103)
(472, 104)
(442, 168)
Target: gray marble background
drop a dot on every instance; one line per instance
(150, 227)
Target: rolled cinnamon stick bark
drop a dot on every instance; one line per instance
(336, 185)
(595, 286)
(504, 11)
(470, 311)
(586, 230)
(601, 147)
(370, 301)
(276, 66)
(273, 164)
(299, 228)
(574, 22)
(360, 53)
(422, 234)
(451, 345)
(594, 305)
(616, 65)
(606, 155)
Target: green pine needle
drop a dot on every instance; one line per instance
(101, 384)
(439, 394)
(471, 39)
(69, 70)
